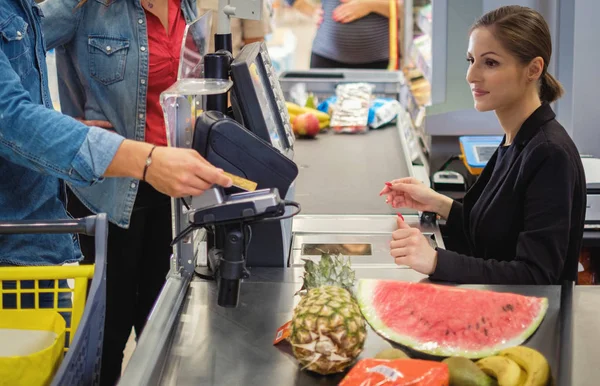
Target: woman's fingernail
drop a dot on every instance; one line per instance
(400, 215)
(388, 184)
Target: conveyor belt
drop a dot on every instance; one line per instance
(344, 173)
(217, 346)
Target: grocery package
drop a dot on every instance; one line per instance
(446, 321)
(351, 110)
(383, 111)
(397, 372)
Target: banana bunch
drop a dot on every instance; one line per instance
(294, 110)
(517, 366)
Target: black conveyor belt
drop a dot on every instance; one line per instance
(344, 173)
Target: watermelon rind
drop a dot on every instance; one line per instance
(365, 291)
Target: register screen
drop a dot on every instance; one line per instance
(267, 105)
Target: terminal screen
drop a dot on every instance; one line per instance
(266, 103)
(484, 152)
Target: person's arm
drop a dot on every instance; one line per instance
(60, 22)
(39, 138)
(542, 245)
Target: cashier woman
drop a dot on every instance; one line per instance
(522, 221)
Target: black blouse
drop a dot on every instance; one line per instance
(522, 220)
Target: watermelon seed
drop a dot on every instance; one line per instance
(447, 332)
(477, 325)
(469, 327)
(509, 307)
(485, 331)
(483, 319)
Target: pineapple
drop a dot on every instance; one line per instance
(328, 331)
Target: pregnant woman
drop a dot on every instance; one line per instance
(353, 33)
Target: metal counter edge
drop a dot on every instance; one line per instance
(147, 362)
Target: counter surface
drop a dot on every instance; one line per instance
(344, 173)
(216, 346)
(586, 337)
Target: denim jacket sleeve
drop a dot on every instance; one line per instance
(60, 22)
(42, 139)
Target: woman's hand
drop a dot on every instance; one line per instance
(350, 10)
(176, 172)
(409, 247)
(181, 172)
(411, 193)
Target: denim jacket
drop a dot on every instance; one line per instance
(39, 147)
(102, 61)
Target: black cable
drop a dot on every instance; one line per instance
(449, 161)
(279, 218)
(190, 228)
(183, 234)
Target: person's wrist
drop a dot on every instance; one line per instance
(148, 163)
(444, 204)
(434, 262)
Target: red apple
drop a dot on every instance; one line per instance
(306, 125)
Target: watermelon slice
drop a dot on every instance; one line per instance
(445, 321)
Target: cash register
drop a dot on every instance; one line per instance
(252, 140)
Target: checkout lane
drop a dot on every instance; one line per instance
(216, 346)
(189, 339)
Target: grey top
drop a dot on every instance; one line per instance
(364, 40)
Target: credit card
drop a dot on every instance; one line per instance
(242, 183)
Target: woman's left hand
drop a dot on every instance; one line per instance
(350, 10)
(409, 247)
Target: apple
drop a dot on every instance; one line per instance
(306, 125)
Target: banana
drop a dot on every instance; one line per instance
(536, 365)
(294, 109)
(323, 125)
(505, 370)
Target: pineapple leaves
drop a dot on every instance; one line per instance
(330, 270)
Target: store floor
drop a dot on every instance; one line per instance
(304, 30)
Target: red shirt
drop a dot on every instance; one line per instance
(164, 53)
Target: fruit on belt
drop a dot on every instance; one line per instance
(449, 321)
(306, 121)
(328, 331)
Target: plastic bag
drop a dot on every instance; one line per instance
(35, 363)
(383, 111)
(351, 111)
(397, 372)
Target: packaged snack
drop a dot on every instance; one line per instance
(383, 111)
(397, 372)
(351, 111)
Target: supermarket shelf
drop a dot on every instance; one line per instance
(424, 21)
(421, 55)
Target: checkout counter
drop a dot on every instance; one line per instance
(195, 336)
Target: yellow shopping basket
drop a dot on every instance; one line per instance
(64, 289)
